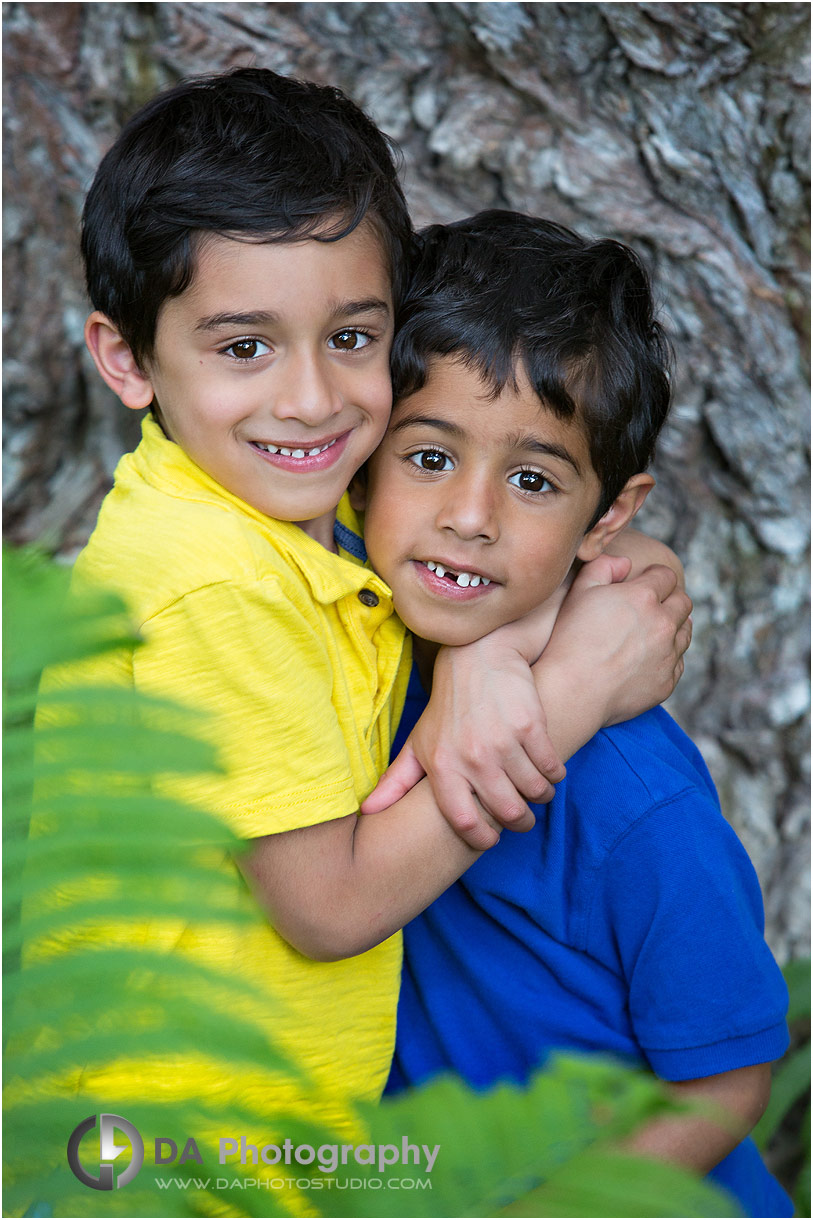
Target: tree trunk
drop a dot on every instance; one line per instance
(679, 128)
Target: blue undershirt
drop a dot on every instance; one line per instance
(628, 922)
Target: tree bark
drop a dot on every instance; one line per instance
(679, 128)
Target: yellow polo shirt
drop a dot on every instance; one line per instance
(298, 659)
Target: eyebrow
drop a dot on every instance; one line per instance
(217, 320)
(367, 305)
(427, 421)
(262, 317)
(533, 444)
(516, 441)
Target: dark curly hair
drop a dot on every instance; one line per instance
(502, 290)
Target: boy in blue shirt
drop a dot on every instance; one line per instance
(531, 383)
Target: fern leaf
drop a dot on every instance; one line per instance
(112, 854)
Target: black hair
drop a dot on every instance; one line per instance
(247, 154)
(502, 290)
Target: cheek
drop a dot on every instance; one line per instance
(379, 552)
(374, 387)
(542, 570)
(375, 524)
(380, 408)
(383, 512)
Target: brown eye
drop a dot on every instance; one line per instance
(430, 459)
(349, 340)
(530, 480)
(247, 349)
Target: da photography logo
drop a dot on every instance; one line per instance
(109, 1151)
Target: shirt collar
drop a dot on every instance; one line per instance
(329, 576)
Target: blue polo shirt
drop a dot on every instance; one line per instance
(628, 922)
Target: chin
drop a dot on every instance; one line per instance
(449, 638)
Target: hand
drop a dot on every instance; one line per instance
(644, 552)
(481, 741)
(618, 644)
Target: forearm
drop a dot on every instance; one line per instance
(530, 634)
(337, 889)
(615, 652)
(559, 672)
(575, 707)
(607, 648)
(498, 728)
(735, 1102)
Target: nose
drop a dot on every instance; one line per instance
(306, 389)
(469, 507)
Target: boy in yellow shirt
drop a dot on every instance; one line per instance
(246, 242)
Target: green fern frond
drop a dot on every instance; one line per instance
(111, 854)
(108, 854)
(604, 1183)
(529, 1151)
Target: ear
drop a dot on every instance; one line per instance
(619, 514)
(116, 363)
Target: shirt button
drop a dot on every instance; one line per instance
(368, 598)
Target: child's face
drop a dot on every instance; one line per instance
(279, 347)
(501, 491)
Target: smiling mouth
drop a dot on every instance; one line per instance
(304, 459)
(287, 451)
(465, 580)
